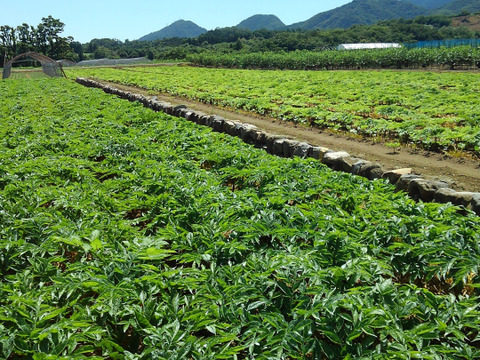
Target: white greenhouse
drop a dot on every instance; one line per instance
(368, 46)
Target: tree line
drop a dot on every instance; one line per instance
(238, 40)
(44, 38)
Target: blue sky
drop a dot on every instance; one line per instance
(131, 19)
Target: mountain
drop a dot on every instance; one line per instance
(363, 12)
(429, 4)
(257, 22)
(357, 12)
(180, 28)
(457, 6)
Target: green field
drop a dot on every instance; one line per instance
(27, 74)
(452, 58)
(437, 111)
(130, 234)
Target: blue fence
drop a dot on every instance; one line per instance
(443, 43)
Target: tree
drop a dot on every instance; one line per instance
(45, 39)
(25, 39)
(77, 47)
(8, 40)
(238, 45)
(102, 52)
(48, 39)
(150, 54)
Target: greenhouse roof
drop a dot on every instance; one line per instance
(107, 62)
(367, 46)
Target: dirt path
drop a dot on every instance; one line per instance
(460, 173)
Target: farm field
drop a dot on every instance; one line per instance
(27, 74)
(130, 234)
(434, 111)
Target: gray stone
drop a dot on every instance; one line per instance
(359, 167)
(464, 198)
(336, 155)
(155, 105)
(302, 150)
(445, 195)
(277, 148)
(208, 121)
(202, 120)
(229, 127)
(182, 112)
(421, 189)
(475, 203)
(289, 147)
(319, 152)
(193, 116)
(216, 123)
(169, 109)
(367, 169)
(163, 105)
(394, 175)
(270, 141)
(376, 172)
(468, 200)
(261, 139)
(339, 161)
(404, 181)
(248, 132)
(142, 99)
(238, 129)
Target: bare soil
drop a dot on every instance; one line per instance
(472, 22)
(461, 172)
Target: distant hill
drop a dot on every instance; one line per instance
(429, 4)
(457, 6)
(257, 22)
(180, 28)
(363, 12)
(357, 12)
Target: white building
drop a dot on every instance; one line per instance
(368, 46)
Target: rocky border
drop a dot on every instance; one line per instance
(414, 185)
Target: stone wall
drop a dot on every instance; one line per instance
(417, 187)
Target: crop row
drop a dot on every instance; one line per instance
(438, 111)
(462, 57)
(130, 234)
(417, 188)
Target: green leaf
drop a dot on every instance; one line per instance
(212, 329)
(332, 336)
(256, 305)
(153, 253)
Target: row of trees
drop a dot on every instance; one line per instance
(233, 39)
(459, 57)
(44, 38)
